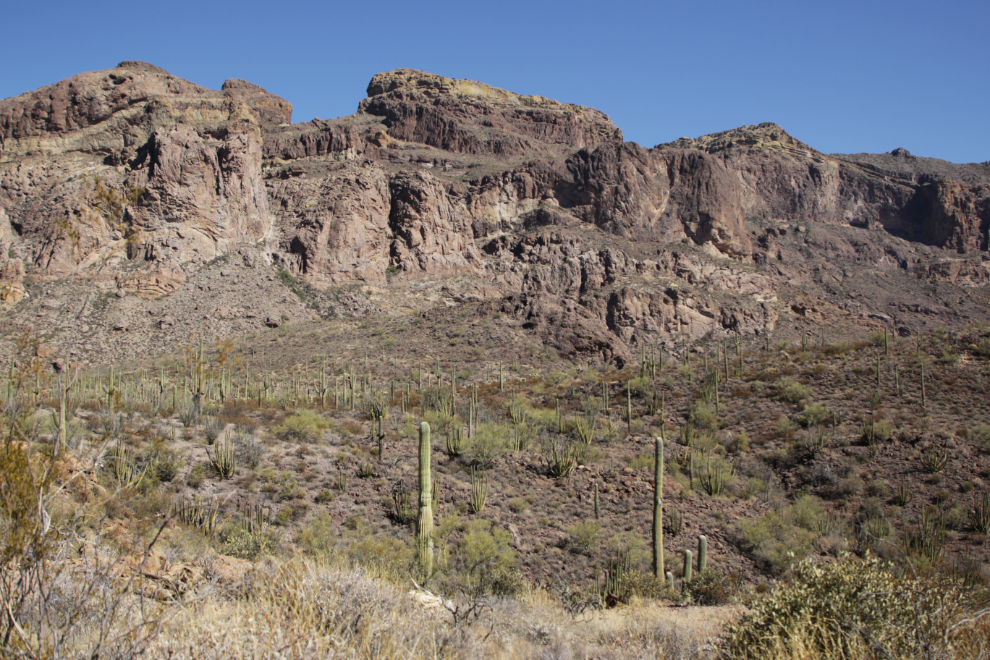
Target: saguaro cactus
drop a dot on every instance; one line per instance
(628, 407)
(424, 523)
(688, 561)
(658, 567)
(702, 553)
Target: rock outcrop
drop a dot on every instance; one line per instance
(464, 116)
(133, 180)
(131, 162)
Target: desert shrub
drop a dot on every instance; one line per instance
(483, 563)
(249, 449)
(291, 512)
(189, 416)
(166, 465)
(317, 536)
(282, 484)
(858, 609)
(879, 430)
(950, 355)
(440, 423)
(840, 489)
(386, 555)
(792, 390)
(980, 435)
(633, 548)
(741, 444)
(640, 386)
(583, 536)
(197, 475)
(713, 587)
(702, 416)
(642, 584)
(238, 540)
(490, 443)
(782, 538)
(785, 427)
(212, 428)
(815, 414)
(304, 425)
(806, 512)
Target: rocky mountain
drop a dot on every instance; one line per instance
(138, 209)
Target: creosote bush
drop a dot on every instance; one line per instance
(860, 609)
(304, 425)
(791, 390)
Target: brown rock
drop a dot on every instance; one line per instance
(341, 231)
(434, 237)
(152, 283)
(465, 116)
(12, 282)
(270, 109)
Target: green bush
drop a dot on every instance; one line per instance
(644, 585)
(713, 587)
(785, 428)
(317, 537)
(879, 430)
(583, 536)
(815, 414)
(640, 386)
(783, 538)
(490, 443)
(792, 390)
(703, 416)
(237, 540)
(385, 554)
(855, 609)
(483, 563)
(302, 426)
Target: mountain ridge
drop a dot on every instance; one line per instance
(131, 181)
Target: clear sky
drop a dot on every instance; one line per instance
(844, 76)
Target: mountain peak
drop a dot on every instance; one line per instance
(140, 66)
(767, 135)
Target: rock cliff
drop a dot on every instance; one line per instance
(133, 181)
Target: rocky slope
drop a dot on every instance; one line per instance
(139, 189)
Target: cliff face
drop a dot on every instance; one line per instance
(921, 199)
(131, 163)
(134, 179)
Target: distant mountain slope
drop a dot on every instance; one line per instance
(130, 182)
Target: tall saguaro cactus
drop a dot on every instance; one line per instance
(424, 523)
(702, 554)
(658, 567)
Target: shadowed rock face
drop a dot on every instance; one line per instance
(539, 208)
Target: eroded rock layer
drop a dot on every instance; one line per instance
(134, 180)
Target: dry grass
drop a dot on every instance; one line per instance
(300, 609)
(304, 609)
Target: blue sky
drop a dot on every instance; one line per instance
(843, 76)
